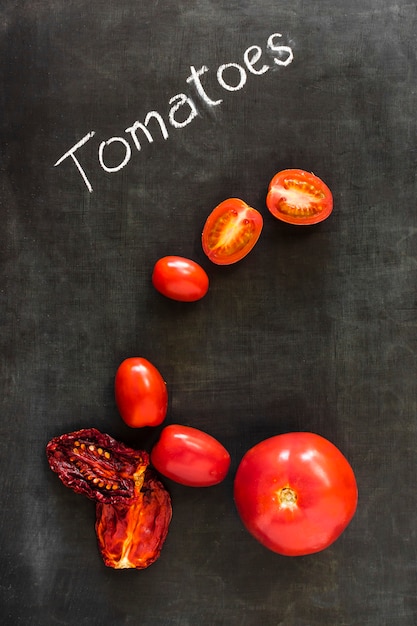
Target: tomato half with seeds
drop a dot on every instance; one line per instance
(96, 465)
(299, 197)
(140, 392)
(190, 456)
(180, 279)
(231, 231)
(295, 493)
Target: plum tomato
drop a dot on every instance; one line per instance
(190, 456)
(180, 279)
(295, 493)
(140, 392)
(299, 197)
(231, 231)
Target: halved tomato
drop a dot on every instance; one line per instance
(231, 231)
(299, 197)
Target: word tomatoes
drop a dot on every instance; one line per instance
(180, 279)
(295, 493)
(141, 393)
(190, 456)
(299, 197)
(231, 231)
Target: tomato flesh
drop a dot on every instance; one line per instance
(299, 197)
(190, 456)
(140, 392)
(231, 231)
(295, 493)
(180, 279)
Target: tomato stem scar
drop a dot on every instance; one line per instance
(287, 498)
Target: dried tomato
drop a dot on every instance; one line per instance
(133, 509)
(96, 465)
(132, 536)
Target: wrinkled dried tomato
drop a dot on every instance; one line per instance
(133, 509)
(96, 465)
(133, 535)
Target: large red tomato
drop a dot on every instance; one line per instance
(295, 493)
(190, 456)
(299, 197)
(231, 231)
(180, 279)
(140, 392)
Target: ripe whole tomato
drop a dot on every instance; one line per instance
(295, 493)
(140, 392)
(231, 231)
(190, 456)
(299, 197)
(180, 279)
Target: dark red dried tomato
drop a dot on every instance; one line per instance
(96, 465)
(123, 542)
(133, 509)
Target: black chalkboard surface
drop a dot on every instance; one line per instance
(123, 124)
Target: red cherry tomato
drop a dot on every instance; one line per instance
(231, 231)
(141, 393)
(295, 493)
(299, 197)
(180, 279)
(190, 456)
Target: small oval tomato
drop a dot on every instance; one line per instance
(231, 231)
(180, 279)
(295, 493)
(299, 197)
(141, 393)
(190, 456)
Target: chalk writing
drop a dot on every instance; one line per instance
(182, 108)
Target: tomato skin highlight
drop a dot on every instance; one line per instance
(190, 456)
(295, 493)
(141, 393)
(299, 197)
(231, 231)
(180, 279)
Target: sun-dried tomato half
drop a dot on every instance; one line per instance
(133, 509)
(132, 536)
(96, 465)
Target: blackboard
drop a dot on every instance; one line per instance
(314, 330)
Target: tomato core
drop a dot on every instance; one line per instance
(287, 498)
(301, 199)
(227, 235)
